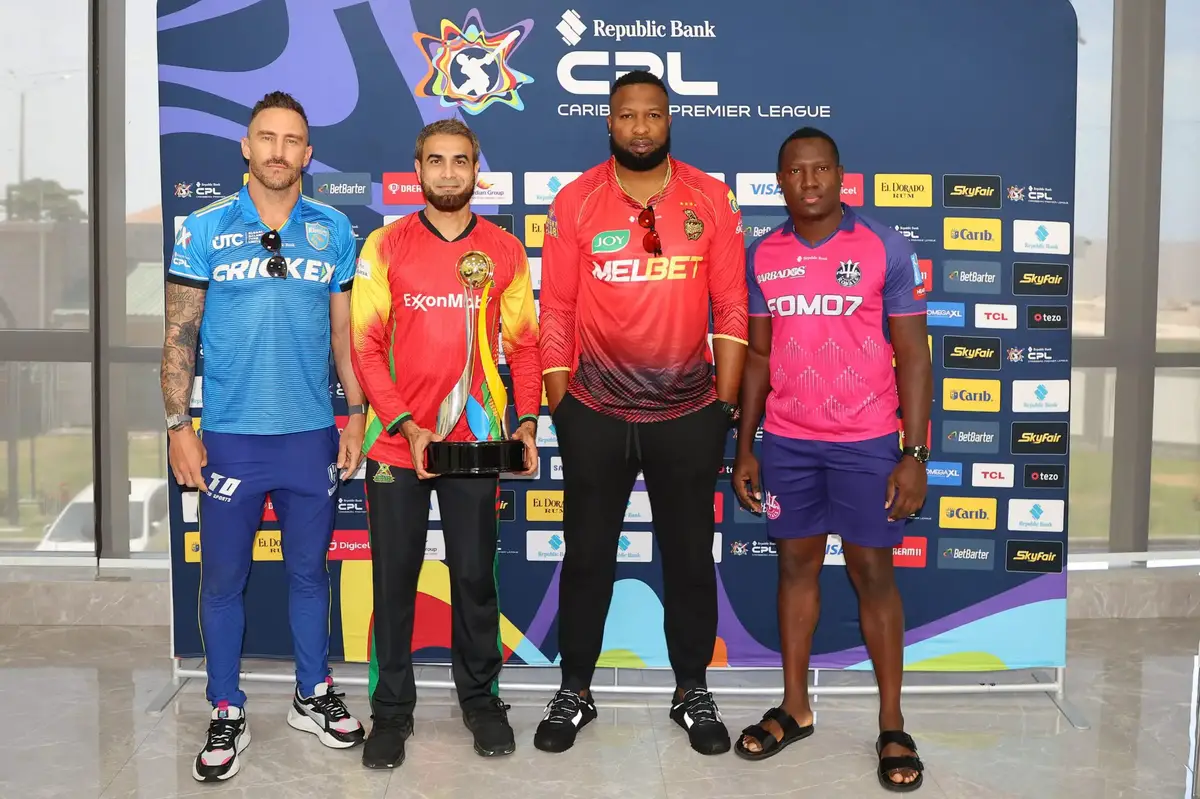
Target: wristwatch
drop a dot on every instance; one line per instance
(177, 420)
(734, 412)
(920, 453)
(353, 409)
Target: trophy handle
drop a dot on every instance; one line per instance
(455, 403)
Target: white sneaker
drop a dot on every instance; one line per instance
(228, 735)
(325, 715)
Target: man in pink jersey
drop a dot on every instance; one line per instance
(833, 297)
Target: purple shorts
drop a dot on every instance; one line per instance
(819, 487)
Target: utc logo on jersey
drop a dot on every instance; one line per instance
(848, 274)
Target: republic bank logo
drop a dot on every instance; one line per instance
(468, 67)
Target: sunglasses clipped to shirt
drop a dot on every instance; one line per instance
(277, 264)
(650, 242)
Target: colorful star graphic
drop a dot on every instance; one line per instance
(468, 66)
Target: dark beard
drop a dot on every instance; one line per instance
(448, 203)
(284, 181)
(640, 163)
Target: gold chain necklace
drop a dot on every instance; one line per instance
(661, 189)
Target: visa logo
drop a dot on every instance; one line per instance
(765, 189)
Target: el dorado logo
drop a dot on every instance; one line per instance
(541, 506)
(610, 241)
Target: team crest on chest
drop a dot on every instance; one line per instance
(848, 274)
(317, 235)
(693, 226)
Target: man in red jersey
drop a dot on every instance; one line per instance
(409, 309)
(637, 252)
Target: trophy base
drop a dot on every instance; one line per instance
(474, 457)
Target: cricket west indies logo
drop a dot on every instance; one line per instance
(468, 66)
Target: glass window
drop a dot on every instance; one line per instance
(143, 181)
(1175, 462)
(1179, 236)
(1093, 398)
(140, 416)
(1092, 134)
(46, 457)
(44, 241)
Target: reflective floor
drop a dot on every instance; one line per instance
(76, 700)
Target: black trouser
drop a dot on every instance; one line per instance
(679, 460)
(398, 520)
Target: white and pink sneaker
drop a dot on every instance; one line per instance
(325, 715)
(228, 735)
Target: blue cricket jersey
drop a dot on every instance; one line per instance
(266, 340)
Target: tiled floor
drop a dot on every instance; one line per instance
(76, 702)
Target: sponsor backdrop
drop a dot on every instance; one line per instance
(974, 164)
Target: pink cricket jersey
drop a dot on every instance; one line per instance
(832, 377)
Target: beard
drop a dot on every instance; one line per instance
(275, 181)
(448, 203)
(640, 162)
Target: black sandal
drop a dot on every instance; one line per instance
(768, 744)
(890, 765)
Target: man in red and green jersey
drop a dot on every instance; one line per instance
(409, 317)
(638, 252)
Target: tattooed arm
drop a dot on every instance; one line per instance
(185, 306)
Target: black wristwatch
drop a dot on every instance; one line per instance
(920, 453)
(734, 412)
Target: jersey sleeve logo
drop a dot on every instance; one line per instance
(733, 203)
(551, 228)
(693, 226)
(362, 268)
(317, 235)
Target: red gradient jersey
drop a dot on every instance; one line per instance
(631, 327)
(408, 315)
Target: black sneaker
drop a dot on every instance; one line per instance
(228, 735)
(385, 745)
(325, 715)
(566, 715)
(489, 724)
(697, 713)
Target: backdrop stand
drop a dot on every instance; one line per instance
(1059, 698)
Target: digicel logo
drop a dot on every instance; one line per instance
(341, 422)
(269, 511)
(852, 188)
(350, 545)
(718, 507)
(402, 188)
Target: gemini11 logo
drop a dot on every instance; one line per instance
(468, 66)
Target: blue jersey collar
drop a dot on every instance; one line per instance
(849, 220)
(250, 213)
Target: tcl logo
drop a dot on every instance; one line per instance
(402, 188)
(993, 475)
(1002, 317)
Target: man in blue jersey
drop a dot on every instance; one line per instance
(261, 279)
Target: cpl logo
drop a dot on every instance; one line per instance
(468, 66)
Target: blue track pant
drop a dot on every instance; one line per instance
(299, 471)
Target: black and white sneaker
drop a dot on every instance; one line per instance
(697, 713)
(228, 735)
(325, 715)
(489, 725)
(566, 715)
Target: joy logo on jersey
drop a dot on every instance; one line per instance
(308, 269)
(610, 241)
(635, 270)
(814, 305)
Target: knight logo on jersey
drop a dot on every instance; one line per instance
(317, 235)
